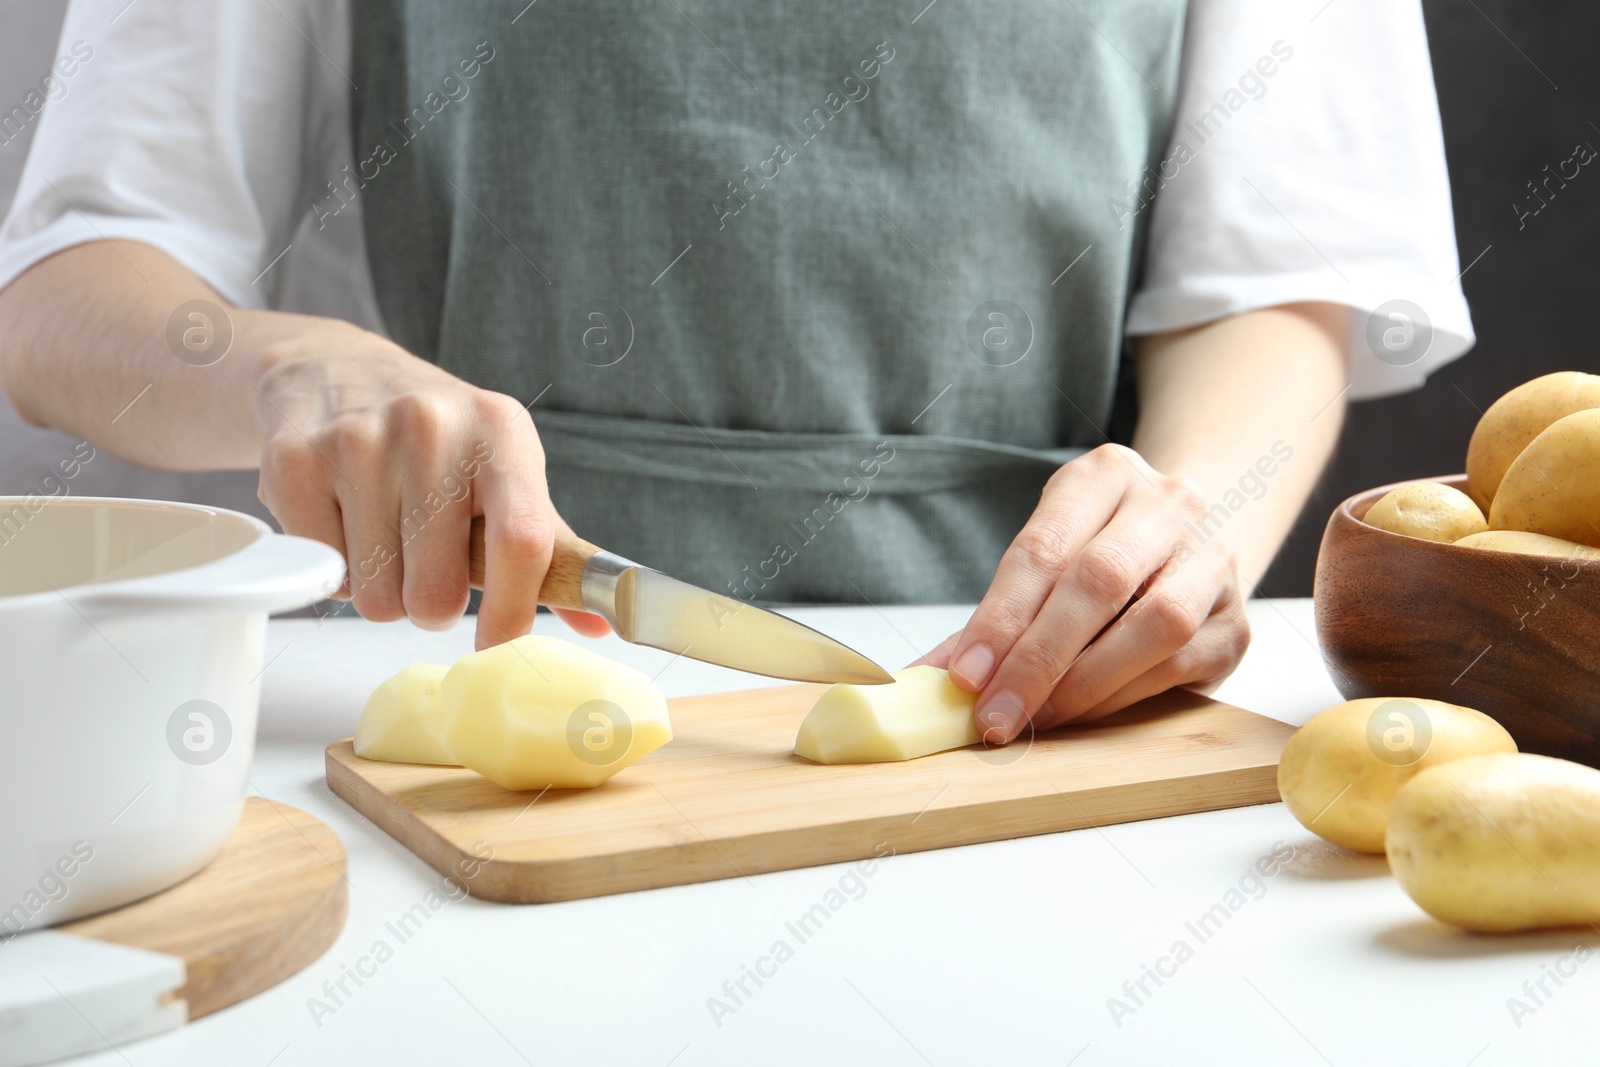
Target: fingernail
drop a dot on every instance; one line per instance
(973, 666)
(1001, 717)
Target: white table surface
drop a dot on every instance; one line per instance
(1004, 953)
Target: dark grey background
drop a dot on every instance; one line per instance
(1519, 86)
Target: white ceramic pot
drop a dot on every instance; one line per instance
(131, 640)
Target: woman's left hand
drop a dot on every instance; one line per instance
(1108, 529)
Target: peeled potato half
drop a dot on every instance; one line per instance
(404, 719)
(919, 713)
(541, 712)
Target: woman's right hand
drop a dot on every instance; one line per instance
(362, 446)
(389, 459)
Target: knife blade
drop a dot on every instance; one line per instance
(646, 607)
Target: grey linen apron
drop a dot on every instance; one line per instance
(786, 284)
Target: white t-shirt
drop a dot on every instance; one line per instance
(1306, 163)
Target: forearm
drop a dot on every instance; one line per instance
(1249, 408)
(86, 351)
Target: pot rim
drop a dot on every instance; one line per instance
(271, 572)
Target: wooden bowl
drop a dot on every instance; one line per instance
(1516, 637)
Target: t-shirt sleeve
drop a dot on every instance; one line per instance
(204, 129)
(1306, 163)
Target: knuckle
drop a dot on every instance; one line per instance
(521, 535)
(1238, 643)
(1238, 638)
(420, 417)
(354, 433)
(1111, 456)
(1037, 662)
(1182, 495)
(1172, 617)
(500, 412)
(379, 601)
(1001, 619)
(289, 466)
(1185, 493)
(287, 454)
(1092, 463)
(1173, 671)
(435, 600)
(1067, 471)
(1109, 571)
(1044, 545)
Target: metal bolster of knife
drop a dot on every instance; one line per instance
(602, 574)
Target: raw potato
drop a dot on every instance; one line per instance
(541, 712)
(919, 713)
(403, 721)
(1501, 842)
(1342, 768)
(1429, 510)
(1528, 544)
(1516, 419)
(1553, 487)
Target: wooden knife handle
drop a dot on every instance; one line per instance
(563, 582)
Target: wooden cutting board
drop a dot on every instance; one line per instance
(728, 797)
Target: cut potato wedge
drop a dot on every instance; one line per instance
(403, 721)
(541, 712)
(919, 713)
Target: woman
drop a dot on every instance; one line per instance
(806, 304)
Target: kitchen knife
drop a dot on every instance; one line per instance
(646, 607)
